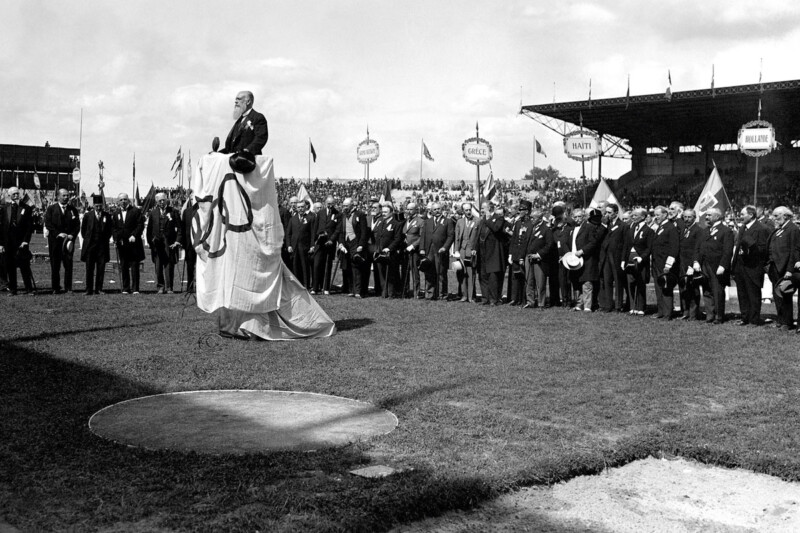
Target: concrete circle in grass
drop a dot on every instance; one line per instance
(240, 421)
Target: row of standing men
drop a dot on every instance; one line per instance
(589, 260)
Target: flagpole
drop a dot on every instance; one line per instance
(80, 146)
(755, 182)
(133, 179)
(309, 160)
(478, 170)
(421, 144)
(533, 169)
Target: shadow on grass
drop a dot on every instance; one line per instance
(398, 399)
(353, 323)
(57, 334)
(51, 462)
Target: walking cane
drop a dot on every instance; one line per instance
(119, 266)
(336, 270)
(183, 270)
(405, 275)
(325, 275)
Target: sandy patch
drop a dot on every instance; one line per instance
(647, 495)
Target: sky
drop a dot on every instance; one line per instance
(154, 76)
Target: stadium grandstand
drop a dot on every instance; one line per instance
(674, 139)
(23, 165)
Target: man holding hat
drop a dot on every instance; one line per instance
(437, 237)
(299, 242)
(612, 277)
(63, 224)
(541, 247)
(665, 250)
(352, 235)
(466, 251)
(162, 237)
(96, 232)
(388, 234)
(713, 258)
(517, 256)
(586, 241)
(783, 266)
(16, 228)
(491, 229)
(412, 230)
(636, 259)
(689, 290)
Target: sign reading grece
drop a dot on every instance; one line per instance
(477, 151)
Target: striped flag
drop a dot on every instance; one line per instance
(178, 163)
(539, 148)
(426, 152)
(668, 94)
(489, 188)
(713, 195)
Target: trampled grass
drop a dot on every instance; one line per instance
(488, 399)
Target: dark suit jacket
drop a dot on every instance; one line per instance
(133, 226)
(665, 244)
(12, 235)
(69, 222)
(185, 228)
(590, 237)
(325, 224)
(96, 234)
(612, 248)
(413, 231)
(518, 241)
(541, 242)
(688, 245)
(490, 246)
(784, 248)
(751, 250)
(639, 244)
(299, 232)
(170, 232)
(248, 133)
(359, 228)
(388, 234)
(715, 248)
(436, 236)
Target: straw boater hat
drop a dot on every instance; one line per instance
(457, 264)
(572, 261)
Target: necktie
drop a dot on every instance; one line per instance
(14, 208)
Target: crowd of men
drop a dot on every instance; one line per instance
(168, 229)
(598, 259)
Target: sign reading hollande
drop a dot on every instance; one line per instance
(581, 145)
(368, 151)
(477, 151)
(757, 138)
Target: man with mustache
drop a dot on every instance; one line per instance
(249, 133)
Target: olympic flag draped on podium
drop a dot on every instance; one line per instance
(237, 234)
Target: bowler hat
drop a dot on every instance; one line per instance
(358, 260)
(785, 287)
(572, 261)
(426, 265)
(380, 257)
(667, 281)
(242, 162)
(322, 238)
(699, 279)
(24, 254)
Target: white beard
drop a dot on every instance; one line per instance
(237, 112)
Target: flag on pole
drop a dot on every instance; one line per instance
(668, 94)
(426, 152)
(150, 199)
(489, 188)
(603, 194)
(302, 194)
(539, 148)
(760, 70)
(713, 195)
(134, 167)
(313, 152)
(628, 93)
(137, 197)
(713, 93)
(189, 168)
(590, 90)
(386, 195)
(177, 164)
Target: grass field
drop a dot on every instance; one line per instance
(489, 399)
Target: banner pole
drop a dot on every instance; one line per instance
(755, 185)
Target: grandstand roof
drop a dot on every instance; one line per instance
(690, 117)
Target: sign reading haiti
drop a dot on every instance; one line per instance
(757, 138)
(477, 151)
(368, 151)
(581, 145)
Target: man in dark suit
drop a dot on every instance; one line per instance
(186, 241)
(437, 237)
(352, 235)
(373, 218)
(96, 232)
(713, 257)
(541, 246)
(612, 277)
(491, 263)
(465, 249)
(128, 227)
(518, 253)
(412, 229)
(388, 234)
(15, 238)
(324, 228)
(636, 259)
(586, 244)
(749, 259)
(664, 259)
(560, 286)
(162, 237)
(299, 242)
(689, 291)
(249, 133)
(784, 260)
(63, 224)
